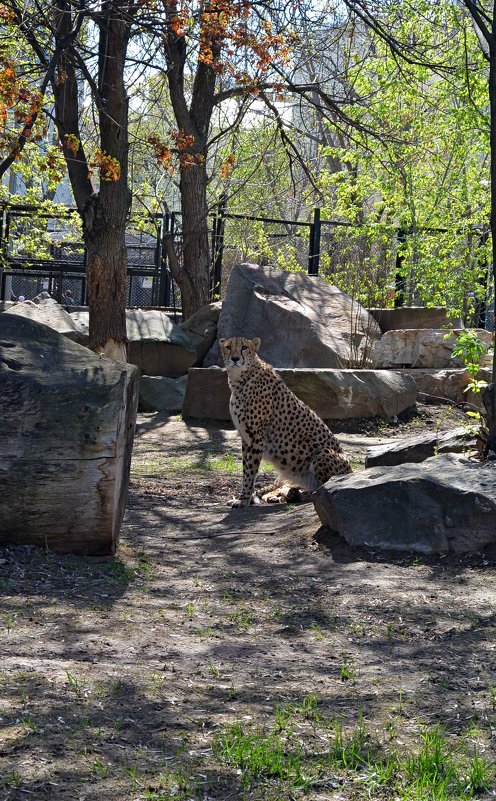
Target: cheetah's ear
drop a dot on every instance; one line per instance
(221, 342)
(256, 343)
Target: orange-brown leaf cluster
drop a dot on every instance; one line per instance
(6, 14)
(9, 85)
(182, 140)
(224, 30)
(72, 143)
(163, 153)
(227, 166)
(182, 150)
(108, 167)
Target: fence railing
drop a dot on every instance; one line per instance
(59, 263)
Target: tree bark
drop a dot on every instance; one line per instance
(104, 213)
(195, 275)
(106, 269)
(489, 401)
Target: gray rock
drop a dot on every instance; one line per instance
(419, 348)
(48, 312)
(156, 345)
(415, 317)
(440, 385)
(421, 447)
(161, 394)
(68, 420)
(202, 329)
(447, 503)
(207, 394)
(333, 394)
(446, 385)
(301, 320)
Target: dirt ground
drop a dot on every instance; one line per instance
(216, 630)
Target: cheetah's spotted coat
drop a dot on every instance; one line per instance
(276, 425)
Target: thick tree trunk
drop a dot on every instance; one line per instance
(103, 212)
(194, 280)
(106, 271)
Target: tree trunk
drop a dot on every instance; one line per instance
(195, 275)
(104, 212)
(489, 401)
(492, 104)
(489, 395)
(106, 270)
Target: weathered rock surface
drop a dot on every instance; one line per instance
(301, 320)
(421, 447)
(202, 329)
(419, 348)
(48, 312)
(439, 385)
(156, 345)
(161, 394)
(415, 317)
(447, 503)
(68, 420)
(333, 394)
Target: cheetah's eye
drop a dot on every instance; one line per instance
(244, 347)
(227, 347)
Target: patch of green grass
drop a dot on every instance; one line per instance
(120, 572)
(243, 619)
(347, 670)
(260, 755)
(298, 748)
(226, 463)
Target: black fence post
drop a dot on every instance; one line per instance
(218, 247)
(164, 289)
(399, 277)
(314, 244)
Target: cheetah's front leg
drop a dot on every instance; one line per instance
(252, 456)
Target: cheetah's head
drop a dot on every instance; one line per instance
(239, 353)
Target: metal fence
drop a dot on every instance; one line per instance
(45, 252)
(57, 262)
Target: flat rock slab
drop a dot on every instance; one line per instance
(447, 503)
(333, 394)
(156, 345)
(301, 320)
(422, 447)
(415, 317)
(68, 420)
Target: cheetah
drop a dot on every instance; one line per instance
(276, 425)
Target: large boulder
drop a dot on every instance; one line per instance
(333, 394)
(421, 447)
(68, 420)
(301, 320)
(420, 348)
(48, 312)
(447, 503)
(156, 345)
